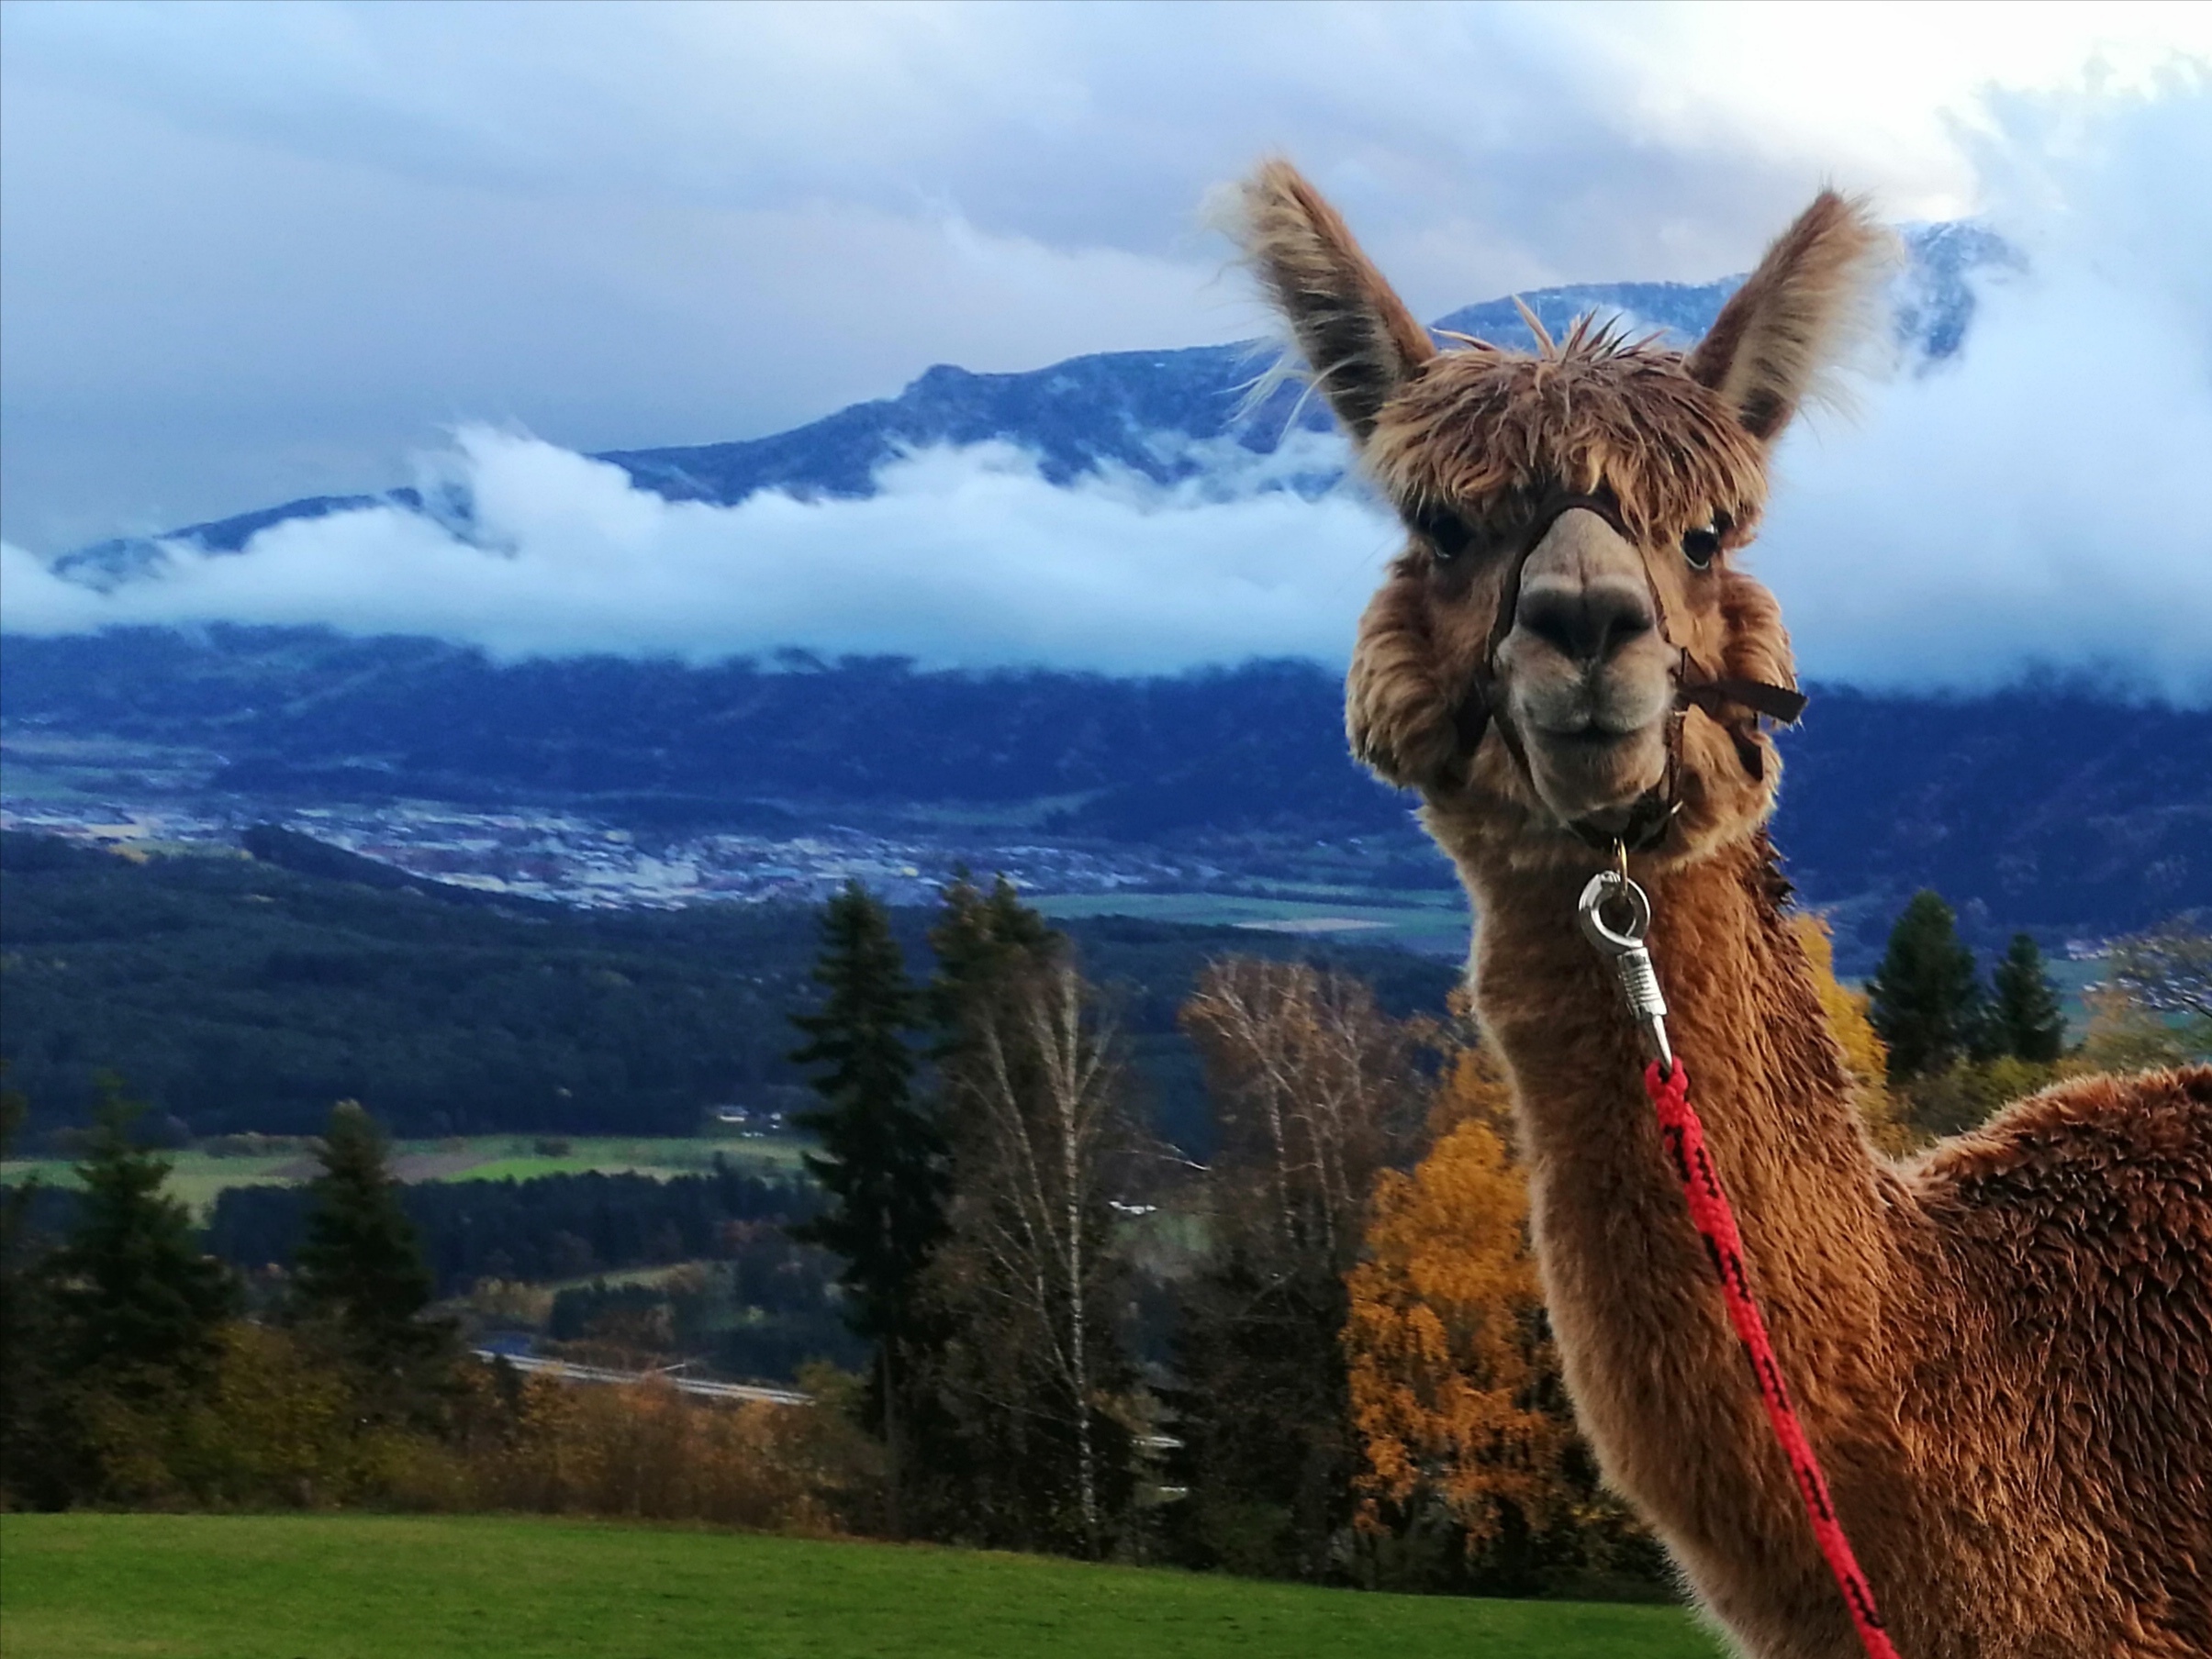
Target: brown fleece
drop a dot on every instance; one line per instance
(1794, 316)
(1357, 335)
(2002, 1352)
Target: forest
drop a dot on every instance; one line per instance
(1023, 1318)
(240, 995)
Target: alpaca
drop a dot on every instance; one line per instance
(2003, 1350)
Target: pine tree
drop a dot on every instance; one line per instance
(361, 1274)
(141, 1301)
(882, 1160)
(2025, 1017)
(27, 1452)
(986, 945)
(1925, 1001)
(978, 937)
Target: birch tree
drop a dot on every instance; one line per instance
(1033, 1215)
(1315, 1091)
(1028, 1283)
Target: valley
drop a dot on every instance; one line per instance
(1220, 796)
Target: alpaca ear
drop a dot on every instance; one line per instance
(1360, 340)
(1797, 314)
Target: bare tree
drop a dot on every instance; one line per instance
(1029, 1274)
(2168, 969)
(1315, 1092)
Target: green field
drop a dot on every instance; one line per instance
(1435, 923)
(197, 1176)
(162, 1587)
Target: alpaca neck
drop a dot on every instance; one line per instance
(1653, 1366)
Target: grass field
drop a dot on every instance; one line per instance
(197, 1176)
(1433, 923)
(156, 1586)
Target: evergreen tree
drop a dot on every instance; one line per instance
(141, 1302)
(980, 940)
(1925, 999)
(27, 1395)
(882, 1163)
(2025, 1019)
(986, 945)
(362, 1277)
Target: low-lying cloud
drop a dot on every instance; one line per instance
(962, 556)
(2036, 502)
(2030, 504)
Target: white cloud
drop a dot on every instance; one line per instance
(2036, 503)
(256, 251)
(2031, 502)
(964, 556)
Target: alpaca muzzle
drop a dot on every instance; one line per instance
(1585, 689)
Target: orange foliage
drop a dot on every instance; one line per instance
(1444, 1338)
(279, 1428)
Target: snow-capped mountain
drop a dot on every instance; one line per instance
(1174, 417)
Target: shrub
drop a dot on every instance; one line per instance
(647, 1451)
(1967, 1093)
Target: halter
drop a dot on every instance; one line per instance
(1695, 686)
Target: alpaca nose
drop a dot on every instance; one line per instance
(1587, 621)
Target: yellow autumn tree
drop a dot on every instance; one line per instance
(1444, 1338)
(1864, 1053)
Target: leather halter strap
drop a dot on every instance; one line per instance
(1695, 686)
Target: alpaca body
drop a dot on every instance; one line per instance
(2001, 1353)
(2022, 1474)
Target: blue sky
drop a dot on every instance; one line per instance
(253, 251)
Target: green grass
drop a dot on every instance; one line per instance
(197, 1176)
(156, 1586)
(1435, 923)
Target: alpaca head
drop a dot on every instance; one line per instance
(1541, 660)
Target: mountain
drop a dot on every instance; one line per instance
(1171, 416)
(2047, 807)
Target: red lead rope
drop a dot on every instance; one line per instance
(1715, 1223)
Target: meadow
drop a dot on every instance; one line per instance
(1432, 922)
(198, 1587)
(197, 1176)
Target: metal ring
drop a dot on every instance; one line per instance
(1609, 885)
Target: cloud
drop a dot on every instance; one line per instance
(2035, 502)
(2031, 502)
(964, 556)
(254, 252)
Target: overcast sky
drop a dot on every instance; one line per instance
(253, 251)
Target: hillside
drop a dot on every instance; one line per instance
(239, 996)
(2047, 806)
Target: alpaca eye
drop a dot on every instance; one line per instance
(1445, 532)
(1701, 545)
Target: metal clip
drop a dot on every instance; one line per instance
(1631, 963)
